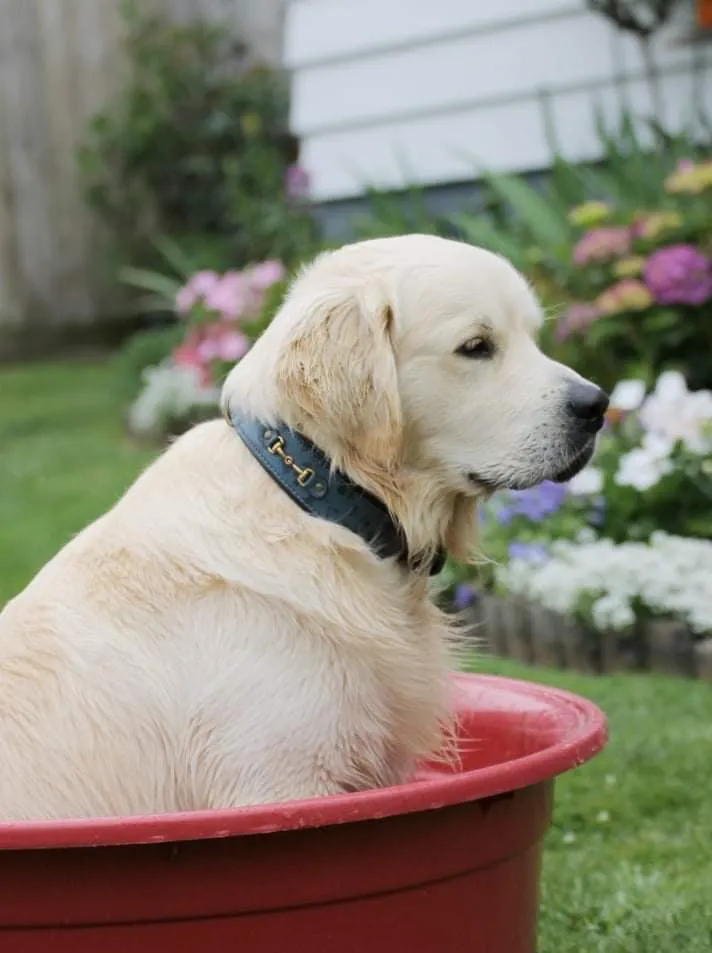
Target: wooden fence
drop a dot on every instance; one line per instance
(59, 61)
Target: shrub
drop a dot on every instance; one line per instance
(196, 146)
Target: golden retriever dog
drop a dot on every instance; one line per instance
(210, 643)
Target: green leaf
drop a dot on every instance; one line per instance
(546, 225)
(604, 329)
(479, 230)
(662, 320)
(568, 183)
(178, 260)
(145, 280)
(151, 304)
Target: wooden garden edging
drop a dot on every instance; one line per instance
(513, 628)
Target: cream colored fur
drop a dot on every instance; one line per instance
(207, 644)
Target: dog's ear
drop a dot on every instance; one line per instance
(463, 531)
(338, 372)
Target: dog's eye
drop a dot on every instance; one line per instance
(476, 347)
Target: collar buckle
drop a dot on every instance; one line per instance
(276, 447)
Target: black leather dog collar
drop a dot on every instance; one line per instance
(302, 471)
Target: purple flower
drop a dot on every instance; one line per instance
(296, 182)
(602, 244)
(463, 596)
(504, 514)
(529, 552)
(679, 274)
(534, 504)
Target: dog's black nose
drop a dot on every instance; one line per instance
(586, 401)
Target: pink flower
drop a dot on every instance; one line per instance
(576, 318)
(201, 284)
(188, 354)
(602, 244)
(207, 350)
(266, 274)
(230, 296)
(679, 274)
(222, 344)
(233, 345)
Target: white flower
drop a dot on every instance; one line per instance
(170, 392)
(675, 413)
(670, 386)
(670, 576)
(589, 482)
(644, 466)
(627, 395)
(612, 612)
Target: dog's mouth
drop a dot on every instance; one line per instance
(575, 464)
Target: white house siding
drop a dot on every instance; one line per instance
(387, 92)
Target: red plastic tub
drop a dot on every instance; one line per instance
(448, 864)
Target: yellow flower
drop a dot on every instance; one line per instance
(588, 214)
(651, 226)
(626, 295)
(251, 124)
(690, 178)
(629, 267)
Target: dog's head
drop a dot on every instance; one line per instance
(412, 362)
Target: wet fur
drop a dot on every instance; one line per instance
(206, 644)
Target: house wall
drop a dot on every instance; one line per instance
(390, 92)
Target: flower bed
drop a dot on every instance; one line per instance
(222, 315)
(613, 569)
(641, 280)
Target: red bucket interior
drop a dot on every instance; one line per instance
(503, 723)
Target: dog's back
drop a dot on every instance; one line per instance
(202, 645)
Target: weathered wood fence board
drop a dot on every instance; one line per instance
(59, 62)
(59, 59)
(516, 629)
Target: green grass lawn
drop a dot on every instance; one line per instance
(628, 866)
(64, 459)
